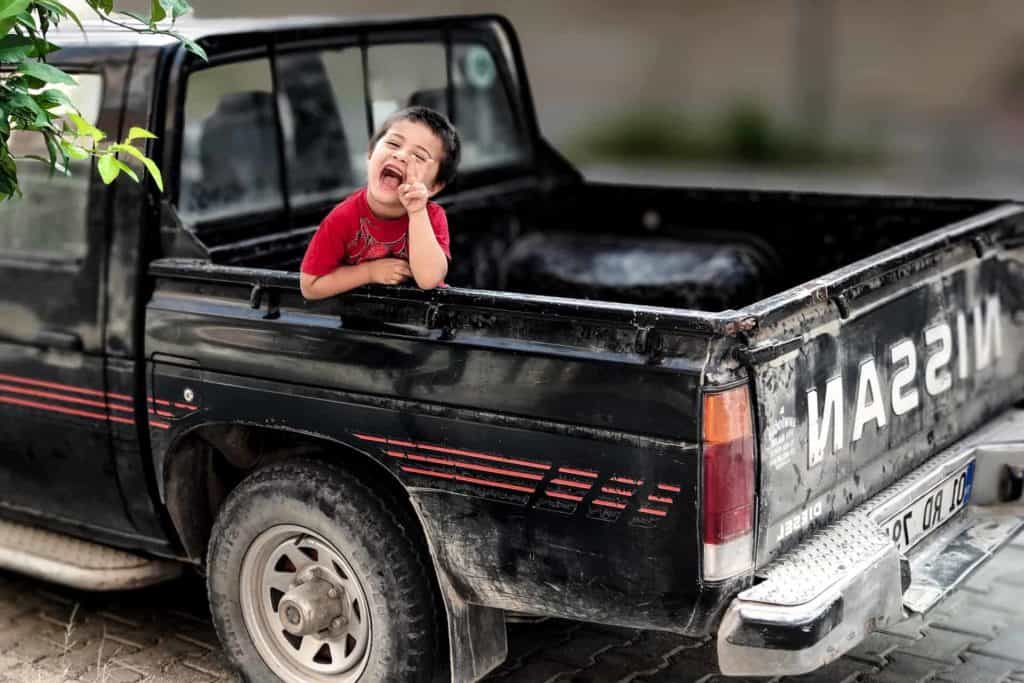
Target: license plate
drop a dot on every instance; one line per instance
(926, 514)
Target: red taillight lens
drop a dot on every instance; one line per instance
(728, 492)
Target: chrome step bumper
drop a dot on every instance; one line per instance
(825, 596)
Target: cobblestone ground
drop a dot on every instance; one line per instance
(164, 634)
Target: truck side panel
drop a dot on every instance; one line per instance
(525, 509)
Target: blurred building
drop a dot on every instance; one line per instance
(936, 85)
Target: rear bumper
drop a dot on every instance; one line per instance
(825, 596)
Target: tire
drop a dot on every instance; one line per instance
(310, 523)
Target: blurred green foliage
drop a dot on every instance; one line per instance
(744, 133)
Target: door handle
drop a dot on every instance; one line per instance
(58, 339)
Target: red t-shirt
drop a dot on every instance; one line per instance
(351, 234)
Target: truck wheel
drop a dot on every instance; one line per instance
(313, 579)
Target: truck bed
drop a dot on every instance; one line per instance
(643, 245)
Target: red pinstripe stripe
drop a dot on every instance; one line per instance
(366, 437)
(159, 425)
(469, 466)
(565, 496)
(186, 406)
(64, 387)
(652, 511)
(161, 413)
(578, 473)
(608, 503)
(570, 482)
(616, 492)
(623, 480)
(668, 487)
(60, 409)
(454, 451)
(66, 399)
(660, 499)
(429, 473)
(489, 482)
(468, 480)
(481, 456)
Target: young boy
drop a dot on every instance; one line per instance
(388, 231)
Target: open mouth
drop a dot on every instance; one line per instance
(391, 177)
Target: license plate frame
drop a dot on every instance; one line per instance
(931, 510)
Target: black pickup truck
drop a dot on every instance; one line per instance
(786, 419)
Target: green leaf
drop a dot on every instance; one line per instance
(156, 11)
(85, 128)
(7, 24)
(154, 172)
(28, 110)
(62, 10)
(126, 169)
(191, 45)
(108, 168)
(16, 48)
(150, 165)
(137, 17)
(12, 8)
(46, 72)
(74, 151)
(136, 133)
(52, 97)
(175, 8)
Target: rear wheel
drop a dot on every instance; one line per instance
(313, 579)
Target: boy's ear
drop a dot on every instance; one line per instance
(436, 187)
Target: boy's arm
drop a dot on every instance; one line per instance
(387, 271)
(426, 258)
(427, 261)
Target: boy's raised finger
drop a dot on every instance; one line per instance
(415, 174)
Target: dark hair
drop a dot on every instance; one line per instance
(441, 127)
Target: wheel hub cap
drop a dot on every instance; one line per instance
(304, 607)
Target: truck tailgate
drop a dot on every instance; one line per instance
(862, 375)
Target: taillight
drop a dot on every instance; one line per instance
(728, 493)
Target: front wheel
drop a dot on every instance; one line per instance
(313, 579)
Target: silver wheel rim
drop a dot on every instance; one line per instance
(276, 563)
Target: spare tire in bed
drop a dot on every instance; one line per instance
(657, 271)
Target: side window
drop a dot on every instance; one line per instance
(407, 74)
(487, 126)
(51, 220)
(323, 121)
(229, 159)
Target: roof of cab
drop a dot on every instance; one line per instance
(101, 33)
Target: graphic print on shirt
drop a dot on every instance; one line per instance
(365, 247)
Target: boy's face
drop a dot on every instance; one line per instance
(408, 152)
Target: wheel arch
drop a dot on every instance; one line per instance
(203, 465)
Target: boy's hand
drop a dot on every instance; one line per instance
(413, 194)
(388, 271)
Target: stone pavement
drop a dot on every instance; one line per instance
(164, 634)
